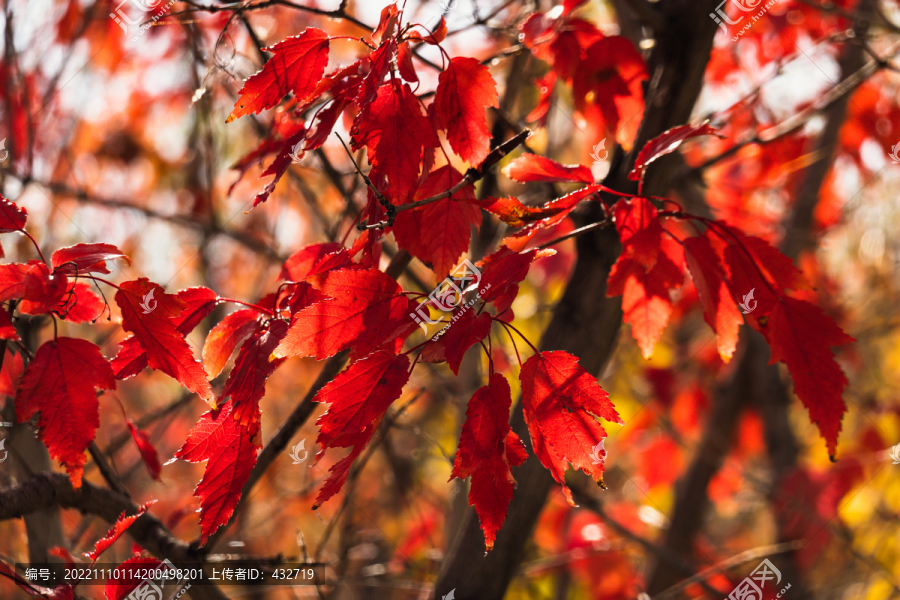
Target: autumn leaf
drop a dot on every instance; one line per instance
(126, 577)
(157, 333)
(230, 449)
(800, 336)
(394, 132)
(7, 329)
(225, 337)
(464, 332)
(296, 66)
(561, 400)
(148, 453)
(358, 398)
(533, 167)
(504, 269)
(314, 259)
(719, 309)
(81, 304)
(465, 89)
(666, 143)
(487, 449)
(364, 309)
(85, 258)
(438, 233)
(246, 383)
(12, 216)
(60, 383)
(118, 528)
(546, 216)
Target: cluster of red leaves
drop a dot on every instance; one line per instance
(333, 299)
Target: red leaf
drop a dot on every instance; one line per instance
(646, 303)
(438, 233)
(85, 258)
(118, 528)
(484, 453)
(81, 304)
(547, 216)
(465, 331)
(224, 338)
(505, 268)
(364, 309)
(395, 132)
(230, 449)
(532, 167)
(379, 63)
(12, 371)
(386, 24)
(560, 400)
(314, 259)
(7, 329)
(297, 65)
(800, 336)
(157, 332)
(12, 216)
(359, 397)
(118, 588)
(639, 230)
(60, 383)
(246, 383)
(440, 32)
(465, 89)
(405, 64)
(130, 360)
(719, 310)
(665, 143)
(148, 453)
(199, 303)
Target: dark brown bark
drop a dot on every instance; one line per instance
(586, 322)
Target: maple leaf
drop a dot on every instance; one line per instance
(464, 332)
(12, 216)
(358, 398)
(364, 309)
(230, 450)
(560, 400)
(157, 333)
(118, 528)
(297, 65)
(7, 329)
(484, 453)
(148, 453)
(314, 259)
(719, 309)
(246, 383)
(547, 216)
(85, 258)
(504, 269)
(395, 133)
(379, 63)
(465, 89)
(127, 576)
(434, 38)
(81, 304)
(60, 383)
(438, 233)
(800, 336)
(225, 337)
(666, 143)
(533, 167)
